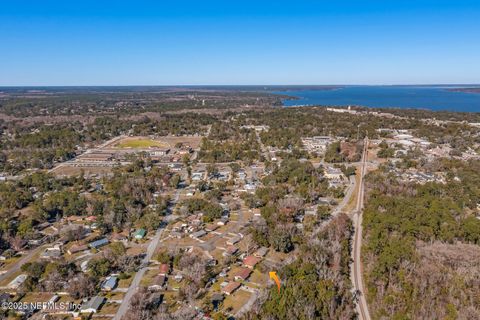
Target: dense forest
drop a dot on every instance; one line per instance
(421, 250)
(120, 101)
(317, 285)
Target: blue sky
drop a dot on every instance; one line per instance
(239, 42)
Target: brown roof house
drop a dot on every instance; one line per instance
(158, 283)
(164, 269)
(251, 261)
(230, 288)
(242, 274)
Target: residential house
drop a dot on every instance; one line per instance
(230, 288)
(333, 173)
(159, 283)
(110, 283)
(261, 252)
(140, 234)
(36, 242)
(250, 187)
(250, 261)
(212, 262)
(241, 175)
(231, 250)
(54, 299)
(98, 243)
(17, 282)
(242, 274)
(211, 227)
(164, 269)
(119, 237)
(92, 305)
(233, 240)
(197, 176)
(198, 234)
(54, 252)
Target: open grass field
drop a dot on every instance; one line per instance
(192, 141)
(160, 142)
(75, 171)
(140, 143)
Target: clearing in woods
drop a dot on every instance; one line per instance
(139, 143)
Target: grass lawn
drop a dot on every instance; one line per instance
(140, 143)
(67, 298)
(259, 278)
(57, 317)
(109, 308)
(148, 277)
(237, 300)
(115, 295)
(216, 286)
(170, 298)
(136, 249)
(37, 297)
(217, 254)
(231, 273)
(125, 283)
(172, 283)
(277, 257)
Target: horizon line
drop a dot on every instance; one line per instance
(233, 85)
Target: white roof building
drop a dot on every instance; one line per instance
(17, 282)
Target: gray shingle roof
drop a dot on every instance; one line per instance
(94, 303)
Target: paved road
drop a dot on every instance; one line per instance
(139, 275)
(20, 262)
(26, 258)
(356, 268)
(346, 198)
(339, 208)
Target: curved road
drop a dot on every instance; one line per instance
(356, 269)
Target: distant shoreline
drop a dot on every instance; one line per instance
(436, 98)
(465, 90)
